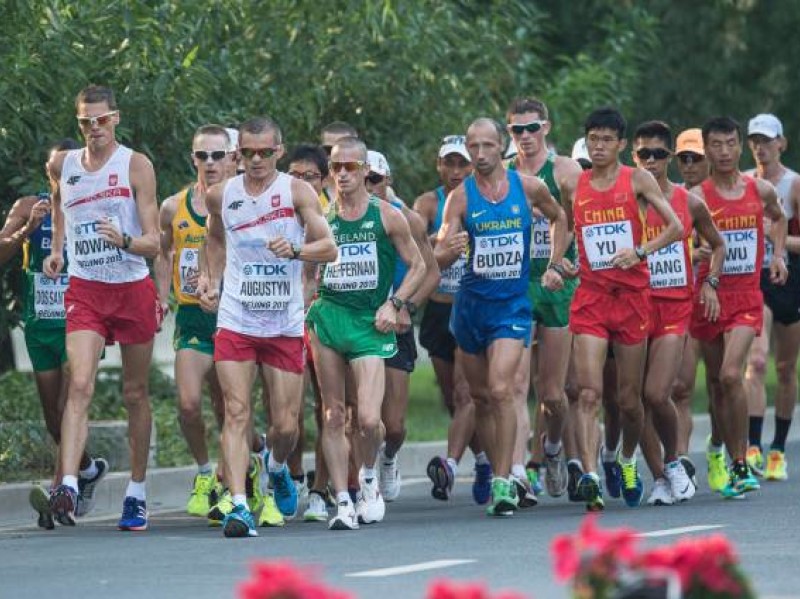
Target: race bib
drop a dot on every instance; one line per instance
(355, 269)
(188, 269)
(48, 296)
(265, 286)
(90, 249)
(668, 267)
(540, 239)
(740, 251)
(499, 256)
(603, 241)
(451, 276)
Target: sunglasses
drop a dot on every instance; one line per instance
(532, 127)
(350, 167)
(648, 153)
(260, 152)
(690, 158)
(91, 121)
(375, 178)
(215, 155)
(306, 176)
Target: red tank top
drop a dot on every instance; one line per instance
(740, 223)
(605, 223)
(671, 266)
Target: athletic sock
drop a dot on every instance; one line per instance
(481, 459)
(90, 472)
(714, 448)
(70, 481)
(551, 449)
(300, 478)
(136, 490)
(518, 471)
(453, 465)
(609, 455)
(577, 462)
(240, 499)
(626, 461)
(343, 496)
(781, 432)
(369, 474)
(204, 469)
(754, 434)
(273, 465)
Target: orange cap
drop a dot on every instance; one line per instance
(690, 140)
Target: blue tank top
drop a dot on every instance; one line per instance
(437, 221)
(498, 259)
(400, 268)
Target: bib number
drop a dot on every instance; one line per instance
(603, 241)
(189, 269)
(451, 276)
(740, 253)
(499, 256)
(265, 286)
(668, 267)
(48, 296)
(355, 269)
(540, 239)
(91, 250)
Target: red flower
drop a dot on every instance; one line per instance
(282, 580)
(447, 589)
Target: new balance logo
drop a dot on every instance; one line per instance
(235, 205)
(368, 225)
(73, 179)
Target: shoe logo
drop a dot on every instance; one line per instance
(479, 213)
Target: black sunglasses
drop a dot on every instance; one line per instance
(648, 153)
(532, 127)
(215, 155)
(690, 158)
(375, 178)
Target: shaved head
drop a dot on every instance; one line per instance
(484, 122)
(353, 143)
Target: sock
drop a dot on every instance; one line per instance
(518, 470)
(273, 465)
(204, 468)
(90, 472)
(713, 447)
(369, 473)
(136, 490)
(624, 461)
(754, 435)
(481, 459)
(577, 462)
(70, 481)
(609, 455)
(343, 497)
(551, 449)
(240, 499)
(301, 478)
(453, 465)
(781, 432)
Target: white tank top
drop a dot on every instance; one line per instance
(783, 189)
(90, 197)
(262, 295)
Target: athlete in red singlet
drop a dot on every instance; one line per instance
(738, 205)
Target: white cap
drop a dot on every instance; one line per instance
(765, 124)
(234, 136)
(511, 150)
(377, 163)
(579, 150)
(454, 144)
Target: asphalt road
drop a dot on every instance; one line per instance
(181, 557)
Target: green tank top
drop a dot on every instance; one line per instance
(540, 237)
(362, 275)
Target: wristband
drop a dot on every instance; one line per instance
(397, 302)
(640, 253)
(559, 268)
(126, 241)
(712, 281)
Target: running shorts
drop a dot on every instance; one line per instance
(551, 308)
(434, 331)
(736, 309)
(283, 353)
(406, 353)
(782, 300)
(621, 315)
(350, 333)
(194, 329)
(670, 317)
(47, 346)
(476, 323)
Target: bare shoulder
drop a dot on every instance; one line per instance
(565, 167)
(56, 163)
(140, 162)
(426, 202)
(170, 206)
(214, 196)
(302, 192)
(415, 221)
(765, 188)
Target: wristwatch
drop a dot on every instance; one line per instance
(296, 249)
(397, 302)
(712, 281)
(559, 268)
(126, 241)
(411, 307)
(640, 253)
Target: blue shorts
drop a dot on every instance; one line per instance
(476, 323)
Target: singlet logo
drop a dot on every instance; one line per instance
(368, 224)
(73, 179)
(235, 205)
(112, 180)
(184, 224)
(276, 200)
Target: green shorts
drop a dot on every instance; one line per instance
(47, 346)
(194, 329)
(551, 308)
(350, 333)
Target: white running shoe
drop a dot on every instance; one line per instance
(316, 511)
(389, 477)
(345, 518)
(679, 481)
(661, 495)
(556, 476)
(370, 507)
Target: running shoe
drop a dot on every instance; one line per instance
(534, 477)
(254, 483)
(556, 477)
(199, 499)
(613, 475)
(750, 482)
(389, 477)
(441, 476)
(370, 507)
(88, 486)
(316, 511)
(574, 473)
(39, 499)
(525, 496)
(504, 498)
(691, 469)
(223, 507)
(270, 515)
(737, 483)
(134, 515)
(239, 523)
(680, 484)
(755, 460)
(632, 487)
(661, 493)
(591, 492)
(776, 465)
(718, 477)
(345, 518)
(302, 488)
(63, 500)
(482, 484)
(284, 491)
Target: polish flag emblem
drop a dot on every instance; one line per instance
(112, 180)
(276, 200)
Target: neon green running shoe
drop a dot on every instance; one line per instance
(504, 498)
(198, 504)
(253, 485)
(755, 460)
(718, 477)
(776, 465)
(222, 508)
(270, 514)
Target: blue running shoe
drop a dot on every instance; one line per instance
(613, 478)
(239, 523)
(590, 491)
(134, 515)
(285, 492)
(482, 485)
(632, 487)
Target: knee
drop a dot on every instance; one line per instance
(553, 403)
(730, 377)
(81, 387)
(757, 366)
(286, 428)
(368, 423)
(237, 412)
(786, 372)
(335, 419)
(502, 390)
(189, 408)
(680, 392)
(395, 427)
(589, 399)
(134, 393)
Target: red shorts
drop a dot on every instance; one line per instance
(736, 309)
(622, 316)
(670, 317)
(283, 353)
(120, 312)
(307, 347)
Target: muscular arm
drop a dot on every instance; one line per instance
(774, 212)
(419, 232)
(55, 261)
(215, 238)
(704, 225)
(451, 240)
(646, 187)
(793, 241)
(17, 228)
(319, 244)
(163, 262)
(541, 199)
(426, 206)
(567, 173)
(399, 232)
(143, 181)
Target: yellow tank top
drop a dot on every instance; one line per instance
(188, 234)
(324, 201)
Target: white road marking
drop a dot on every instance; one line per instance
(667, 532)
(421, 567)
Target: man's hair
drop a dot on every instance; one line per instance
(352, 143)
(212, 129)
(340, 128)
(721, 124)
(657, 129)
(63, 144)
(528, 104)
(606, 118)
(94, 94)
(261, 124)
(310, 153)
(499, 129)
